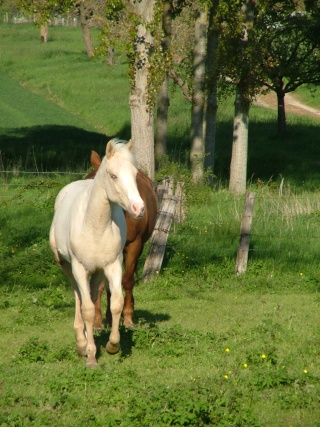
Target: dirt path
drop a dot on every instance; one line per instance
(292, 104)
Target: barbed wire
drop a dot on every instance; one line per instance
(182, 234)
(17, 172)
(267, 198)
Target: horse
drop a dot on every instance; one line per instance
(139, 232)
(87, 237)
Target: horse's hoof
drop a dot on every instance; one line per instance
(97, 326)
(91, 365)
(112, 348)
(82, 351)
(129, 325)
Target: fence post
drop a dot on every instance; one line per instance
(168, 200)
(245, 231)
(159, 237)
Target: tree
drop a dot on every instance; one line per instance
(163, 101)
(238, 166)
(141, 99)
(84, 13)
(137, 26)
(198, 96)
(289, 37)
(211, 101)
(44, 10)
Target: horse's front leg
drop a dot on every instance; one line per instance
(81, 277)
(114, 273)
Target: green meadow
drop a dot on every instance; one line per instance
(209, 348)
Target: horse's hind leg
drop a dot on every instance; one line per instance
(133, 252)
(97, 284)
(108, 311)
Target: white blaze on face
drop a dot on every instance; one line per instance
(123, 173)
(136, 204)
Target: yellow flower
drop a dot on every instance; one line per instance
(263, 356)
(226, 377)
(305, 371)
(227, 350)
(245, 365)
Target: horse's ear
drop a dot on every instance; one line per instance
(130, 145)
(95, 159)
(109, 149)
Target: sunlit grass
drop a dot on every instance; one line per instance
(310, 94)
(209, 348)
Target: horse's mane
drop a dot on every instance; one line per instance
(119, 144)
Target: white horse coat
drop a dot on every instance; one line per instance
(87, 237)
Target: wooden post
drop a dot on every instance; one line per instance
(245, 231)
(159, 237)
(169, 201)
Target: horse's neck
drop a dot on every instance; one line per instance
(98, 214)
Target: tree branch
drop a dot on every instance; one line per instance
(183, 86)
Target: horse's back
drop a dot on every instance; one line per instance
(68, 215)
(70, 192)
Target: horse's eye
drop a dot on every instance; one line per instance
(113, 176)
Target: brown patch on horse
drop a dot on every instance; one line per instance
(95, 160)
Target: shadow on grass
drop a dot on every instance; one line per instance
(67, 148)
(50, 147)
(294, 156)
(127, 334)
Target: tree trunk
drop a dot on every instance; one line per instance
(44, 29)
(282, 123)
(162, 119)
(142, 127)
(211, 106)
(197, 141)
(238, 167)
(239, 155)
(111, 60)
(163, 95)
(85, 30)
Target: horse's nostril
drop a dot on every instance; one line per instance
(138, 210)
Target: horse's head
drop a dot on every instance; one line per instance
(120, 167)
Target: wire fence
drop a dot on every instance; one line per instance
(7, 177)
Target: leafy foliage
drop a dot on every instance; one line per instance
(45, 9)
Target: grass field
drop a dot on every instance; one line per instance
(209, 348)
